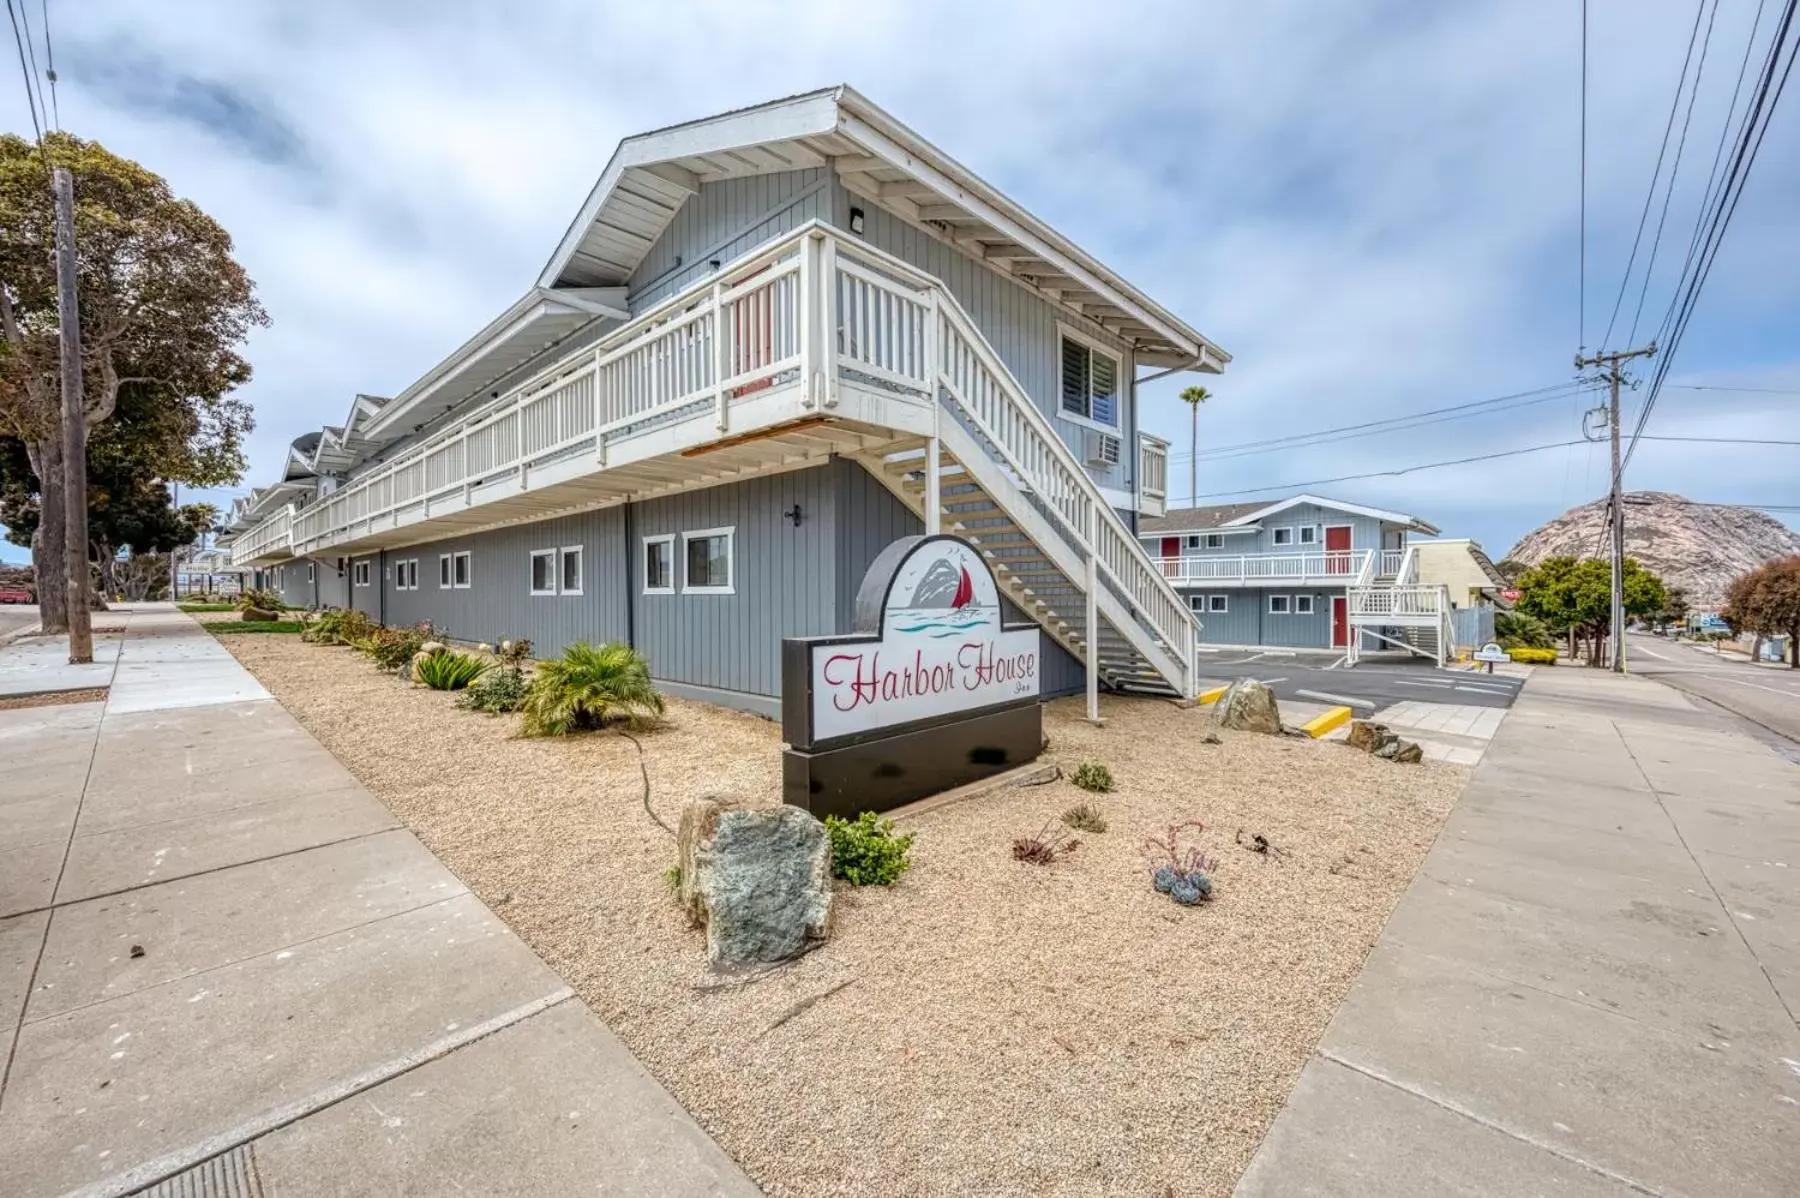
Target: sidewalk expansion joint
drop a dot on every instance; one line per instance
(1492, 1125)
(182, 1159)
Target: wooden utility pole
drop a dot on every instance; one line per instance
(74, 425)
(1615, 364)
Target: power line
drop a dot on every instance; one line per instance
(1754, 127)
(1746, 390)
(30, 99)
(1581, 303)
(1344, 478)
(31, 50)
(1650, 195)
(1674, 170)
(1722, 440)
(1476, 407)
(50, 66)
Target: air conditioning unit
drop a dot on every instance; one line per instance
(1103, 449)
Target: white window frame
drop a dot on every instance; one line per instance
(1120, 381)
(1190, 542)
(1302, 536)
(1286, 608)
(1306, 610)
(359, 573)
(404, 574)
(562, 573)
(466, 560)
(668, 539)
(1197, 603)
(310, 576)
(549, 555)
(695, 534)
(1213, 540)
(1275, 536)
(443, 571)
(1218, 605)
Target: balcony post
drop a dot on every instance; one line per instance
(721, 355)
(805, 315)
(934, 495)
(828, 348)
(1093, 635)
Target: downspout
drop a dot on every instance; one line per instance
(630, 573)
(381, 586)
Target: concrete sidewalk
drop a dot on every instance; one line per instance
(217, 949)
(1590, 986)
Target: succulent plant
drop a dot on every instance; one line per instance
(1201, 883)
(1166, 877)
(1185, 892)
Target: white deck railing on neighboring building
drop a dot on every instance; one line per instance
(1391, 560)
(1253, 569)
(1153, 475)
(270, 540)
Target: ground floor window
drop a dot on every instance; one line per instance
(443, 571)
(543, 571)
(460, 568)
(1303, 605)
(310, 576)
(360, 574)
(1197, 602)
(1217, 603)
(406, 575)
(709, 561)
(1278, 605)
(570, 579)
(659, 565)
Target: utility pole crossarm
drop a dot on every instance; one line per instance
(1615, 372)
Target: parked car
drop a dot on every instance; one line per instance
(15, 594)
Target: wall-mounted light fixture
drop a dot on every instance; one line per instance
(856, 221)
(794, 515)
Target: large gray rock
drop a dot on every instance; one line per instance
(759, 879)
(1248, 706)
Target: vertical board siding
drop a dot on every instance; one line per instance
(366, 600)
(334, 581)
(726, 220)
(869, 519)
(498, 603)
(1020, 325)
(1250, 622)
(290, 582)
(784, 578)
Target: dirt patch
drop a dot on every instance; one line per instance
(1011, 1028)
(92, 694)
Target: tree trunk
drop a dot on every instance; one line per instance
(49, 548)
(1794, 647)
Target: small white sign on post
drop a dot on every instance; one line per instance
(1492, 653)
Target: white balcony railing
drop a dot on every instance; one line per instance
(267, 541)
(1391, 560)
(1153, 475)
(1404, 603)
(1251, 569)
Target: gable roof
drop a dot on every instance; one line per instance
(651, 175)
(1235, 516)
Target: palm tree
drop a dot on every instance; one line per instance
(1194, 397)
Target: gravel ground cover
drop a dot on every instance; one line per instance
(987, 1026)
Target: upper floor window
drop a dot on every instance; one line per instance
(1090, 382)
(1309, 534)
(1284, 536)
(1215, 540)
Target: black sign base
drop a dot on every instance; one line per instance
(887, 772)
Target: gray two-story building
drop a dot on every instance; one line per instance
(1301, 572)
(769, 343)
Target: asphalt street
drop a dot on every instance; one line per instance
(1366, 687)
(1768, 697)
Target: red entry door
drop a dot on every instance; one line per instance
(1337, 549)
(1171, 548)
(1340, 622)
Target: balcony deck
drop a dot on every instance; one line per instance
(1305, 568)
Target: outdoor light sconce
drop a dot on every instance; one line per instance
(856, 221)
(794, 515)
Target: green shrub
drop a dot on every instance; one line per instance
(1535, 657)
(865, 851)
(337, 628)
(499, 690)
(391, 648)
(1516, 630)
(1085, 817)
(449, 670)
(588, 686)
(513, 651)
(1091, 775)
(264, 600)
(232, 627)
(196, 608)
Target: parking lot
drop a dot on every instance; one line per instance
(1369, 686)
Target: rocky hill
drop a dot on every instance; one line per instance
(1699, 549)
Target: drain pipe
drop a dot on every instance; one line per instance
(625, 525)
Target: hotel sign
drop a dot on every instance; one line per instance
(931, 651)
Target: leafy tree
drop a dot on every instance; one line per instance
(163, 309)
(1766, 601)
(1575, 596)
(1516, 630)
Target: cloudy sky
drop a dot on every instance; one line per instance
(1372, 206)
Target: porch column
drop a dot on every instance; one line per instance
(1093, 638)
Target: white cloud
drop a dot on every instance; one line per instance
(1372, 207)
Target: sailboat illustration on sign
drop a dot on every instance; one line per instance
(965, 590)
(944, 603)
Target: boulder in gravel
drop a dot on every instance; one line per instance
(1388, 749)
(1248, 706)
(259, 614)
(1367, 735)
(758, 879)
(1409, 754)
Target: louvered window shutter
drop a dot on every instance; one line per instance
(1106, 389)
(1075, 379)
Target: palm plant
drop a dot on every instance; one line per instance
(1194, 397)
(448, 670)
(586, 687)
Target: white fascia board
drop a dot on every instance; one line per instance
(539, 301)
(800, 116)
(899, 147)
(1336, 505)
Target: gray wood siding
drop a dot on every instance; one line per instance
(334, 582)
(1019, 324)
(498, 603)
(366, 600)
(1365, 533)
(290, 581)
(1248, 620)
(784, 578)
(726, 220)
